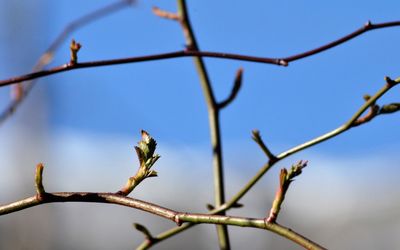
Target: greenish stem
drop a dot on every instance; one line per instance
(214, 123)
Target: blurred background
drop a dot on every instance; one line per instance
(83, 124)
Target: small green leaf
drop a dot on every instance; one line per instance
(147, 145)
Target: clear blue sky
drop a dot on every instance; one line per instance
(289, 105)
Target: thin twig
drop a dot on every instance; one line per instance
(257, 138)
(214, 122)
(237, 83)
(47, 56)
(190, 53)
(365, 28)
(165, 14)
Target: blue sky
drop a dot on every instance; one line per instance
(289, 105)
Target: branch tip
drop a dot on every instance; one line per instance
(237, 83)
(256, 136)
(389, 108)
(144, 231)
(74, 48)
(237, 205)
(40, 192)
(209, 207)
(366, 97)
(390, 82)
(165, 14)
(368, 24)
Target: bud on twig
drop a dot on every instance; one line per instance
(39, 181)
(74, 48)
(145, 152)
(285, 178)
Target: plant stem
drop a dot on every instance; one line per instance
(282, 61)
(175, 216)
(214, 123)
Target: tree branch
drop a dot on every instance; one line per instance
(213, 117)
(177, 217)
(193, 53)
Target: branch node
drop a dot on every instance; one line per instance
(74, 48)
(145, 152)
(40, 192)
(390, 82)
(373, 111)
(368, 24)
(235, 89)
(282, 62)
(166, 14)
(177, 220)
(285, 178)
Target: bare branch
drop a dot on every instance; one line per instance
(165, 14)
(190, 53)
(365, 28)
(177, 217)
